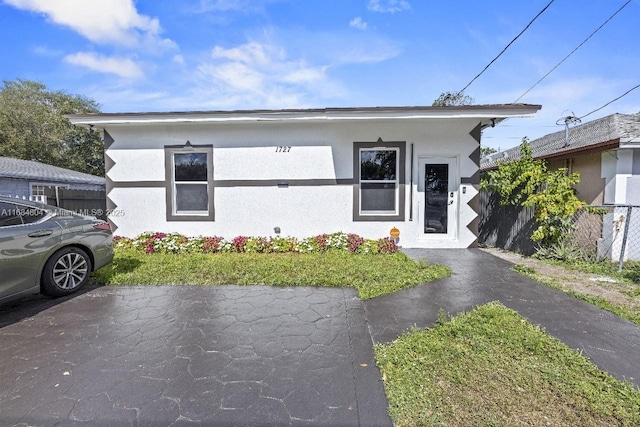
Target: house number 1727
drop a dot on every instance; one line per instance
(283, 148)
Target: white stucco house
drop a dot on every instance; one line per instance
(300, 172)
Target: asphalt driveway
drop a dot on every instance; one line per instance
(189, 355)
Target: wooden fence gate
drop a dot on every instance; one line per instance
(506, 227)
(83, 202)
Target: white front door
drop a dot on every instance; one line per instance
(437, 198)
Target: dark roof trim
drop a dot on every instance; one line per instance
(314, 110)
(581, 151)
(496, 111)
(595, 148)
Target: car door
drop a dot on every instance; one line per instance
(26, 238)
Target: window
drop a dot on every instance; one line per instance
(37, 190)
(37, 193)
(13, 214)
(190, 179)
(379, 192)
(190, 184)
(378, 181)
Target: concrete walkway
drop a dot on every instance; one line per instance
(612, 343)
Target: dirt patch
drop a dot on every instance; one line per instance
(608, 288)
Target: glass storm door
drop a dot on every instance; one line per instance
(438, 193)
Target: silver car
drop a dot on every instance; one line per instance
(47, 249)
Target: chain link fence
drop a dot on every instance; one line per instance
(608, 232)
(598, 232)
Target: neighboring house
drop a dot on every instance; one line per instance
(37, 181)
(606, 154)
(299, 172)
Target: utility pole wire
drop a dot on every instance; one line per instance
(610, 102)
(573, 51)
(507, 47)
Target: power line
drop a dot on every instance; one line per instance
(507, 47)
(573, 51)
(610, 102)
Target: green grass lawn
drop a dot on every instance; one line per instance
(491, 367)
(371, 275)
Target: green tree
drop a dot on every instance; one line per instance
(487, 151)
(527, 182)
(32, 127)
(450, 99)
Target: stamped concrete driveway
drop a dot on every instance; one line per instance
(182, 356)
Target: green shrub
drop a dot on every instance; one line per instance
(563, 251)
(526, 181)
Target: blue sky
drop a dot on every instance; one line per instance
(165, 55)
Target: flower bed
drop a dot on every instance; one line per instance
(151, 242)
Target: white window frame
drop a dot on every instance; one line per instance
(37, 189)
(173, 214)
(175, 184)
(400, 181)
(395, 181)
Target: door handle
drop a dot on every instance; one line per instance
(40, 233)
(450, 202)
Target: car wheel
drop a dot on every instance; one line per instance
(65, 272)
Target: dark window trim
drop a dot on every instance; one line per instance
(168, 168)
(357, 146)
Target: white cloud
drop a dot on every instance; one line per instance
(46, 51)
(244, 6)
(178, 59)
(304, 74)
(260, 75)
(358, 23)
(568, 93)
(101, 21)
(122, 67)
(273, 69)
(252, 52)
(285, 69)
(226, 5)
(338, 48)
(236, 76)
(388, 6)
(222, 5)
(256, 62)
